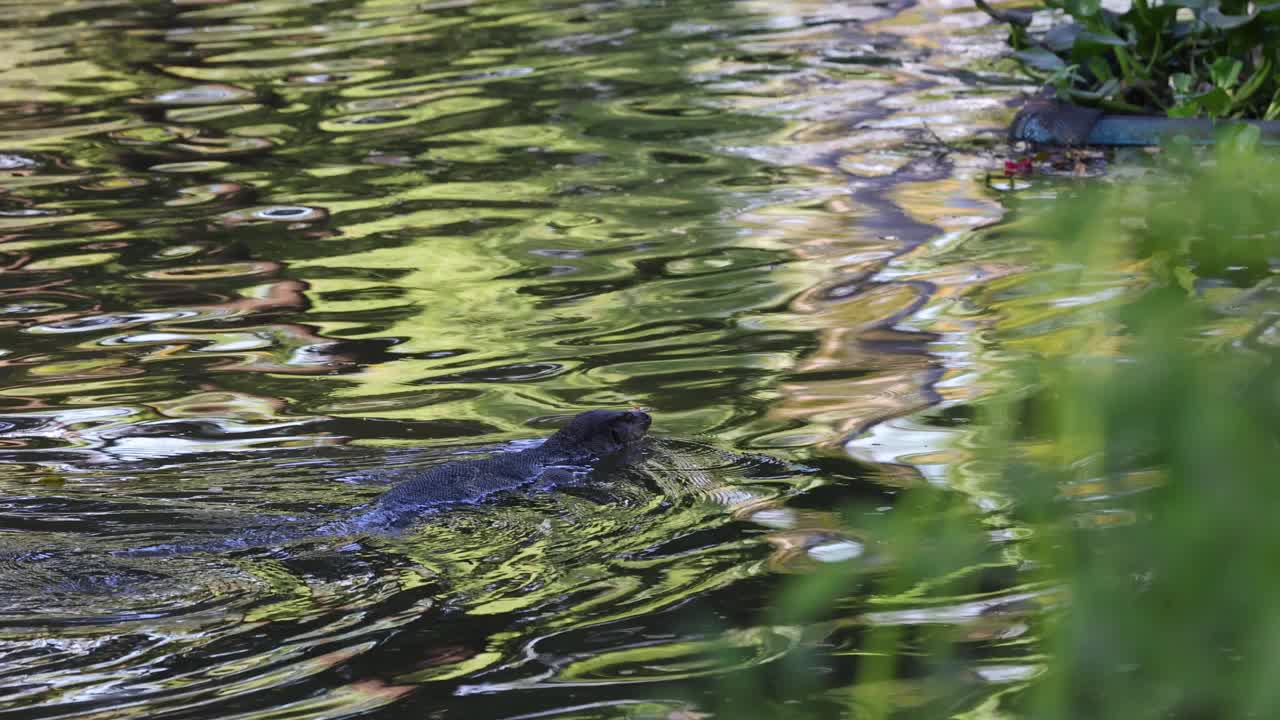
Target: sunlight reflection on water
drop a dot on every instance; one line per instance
(254, 253)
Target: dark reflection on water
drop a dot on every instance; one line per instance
(255, 252)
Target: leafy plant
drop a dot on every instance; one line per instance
(1185, 58)
(1146, 477)
(1135, 443)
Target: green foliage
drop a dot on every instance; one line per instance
(1185, 58)
(1139, 460)
(1174, 605)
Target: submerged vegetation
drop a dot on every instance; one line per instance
(1183, 58)
(1135, 451)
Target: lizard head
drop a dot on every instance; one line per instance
(601, 431)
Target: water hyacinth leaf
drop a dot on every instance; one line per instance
(1273, 109)
(1151, 51)
(1108, 87)
(1060, 38)
(1255, 81)
(1216, 102)
(1153, 19)
(1100, 68)
(1063, 79)
(1129, 68)
(1040, 59)
(1215, 17)
(1225, 72)
(1099, 38)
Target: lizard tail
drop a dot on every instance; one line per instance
(264, 537)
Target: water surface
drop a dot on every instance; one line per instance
(254, 253)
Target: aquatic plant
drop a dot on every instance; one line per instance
(1136, 448)
(1142, 459)
(1183, 58)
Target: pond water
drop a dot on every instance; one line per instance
(255, 253)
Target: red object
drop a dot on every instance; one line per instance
(1020, 167)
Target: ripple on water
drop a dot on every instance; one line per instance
(524, 210)
(117, 183)
(164, 636)
(426, 112)
(208, 113)
(631, 661)
(229, 145)
(78, 589)
(153, 134)
(483, 76)
(209, 94)
(194, 166)
(93, 323)
(210, 272)
(199, 194)
(31, 306)
(13, 161)
(274, 213)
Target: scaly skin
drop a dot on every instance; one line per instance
(588, 437)
(575, 448)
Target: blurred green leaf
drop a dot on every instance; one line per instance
(1273, 108)
(1186, 279)
(1083, 8)
(1255, 81)
(1138, 460)
(1240, 138)
(1100, 68)
(1216, 103)
(1225, 72)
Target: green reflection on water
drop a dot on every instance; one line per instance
(250, 246)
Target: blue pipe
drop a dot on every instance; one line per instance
(1049, 122)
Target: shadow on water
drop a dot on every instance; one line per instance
(254, 253)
